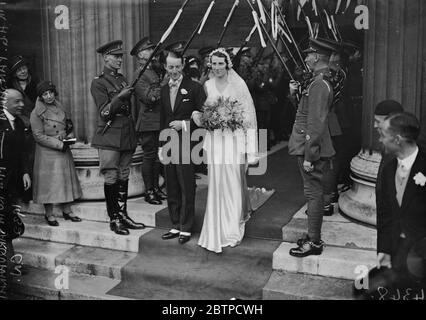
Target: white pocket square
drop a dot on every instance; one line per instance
(184, 100)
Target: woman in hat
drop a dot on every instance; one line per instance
(21, 78)
(55, 178)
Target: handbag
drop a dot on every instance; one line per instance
(14, 226)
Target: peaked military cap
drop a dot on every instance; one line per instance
(16, 62)
(320, 46)
(113, 47)
(142, 44)
(205, 51)
(349, 47)
(192, 59)
(176, 47)
(246, 51)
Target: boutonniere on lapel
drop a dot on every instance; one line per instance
(183, 91)
(420, 179)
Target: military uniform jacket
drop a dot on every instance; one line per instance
(147, 95)
(113, 113)
(311, 136)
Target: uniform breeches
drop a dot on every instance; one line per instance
(314, 192)
(151, 164)
(115, 165)
(331, 177)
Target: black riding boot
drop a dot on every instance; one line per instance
(113, 209)
(123, 186)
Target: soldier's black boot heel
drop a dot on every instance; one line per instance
(113, 209)
(123, 186)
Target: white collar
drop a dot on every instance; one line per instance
(9, 115)
(178, 81)
(409, 161)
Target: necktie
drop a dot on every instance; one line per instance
(173, 92)
(400, 182)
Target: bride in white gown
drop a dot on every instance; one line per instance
(228, 155)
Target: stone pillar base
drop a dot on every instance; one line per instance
(359, 202)
(92, 183)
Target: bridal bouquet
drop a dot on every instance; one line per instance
(223, 114)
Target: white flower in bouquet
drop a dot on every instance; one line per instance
(224, 114)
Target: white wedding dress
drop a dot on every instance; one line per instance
(228, 205)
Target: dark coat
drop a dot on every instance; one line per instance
(13, 155)
(410, 218)
(311, 136)
(120, 134)
(147, 95)
(30, 96)
(190, 97)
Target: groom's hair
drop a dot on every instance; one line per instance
(404, 124)
(175, 55)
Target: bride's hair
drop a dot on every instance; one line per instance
(221, 53)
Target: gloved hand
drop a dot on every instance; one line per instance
(125, 93)
(294, 86)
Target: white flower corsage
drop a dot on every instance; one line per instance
(183, 91)
(420, 179)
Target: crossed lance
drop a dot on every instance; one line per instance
(259, 22)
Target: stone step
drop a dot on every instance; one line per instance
(85, 233)
(337, 233)
(336, 217)
(39, 254)
(40, 283)
(292, 286)
(84, 260)
(137, 208)
(334, 262)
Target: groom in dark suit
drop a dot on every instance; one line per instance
(181, 101)
(401, 224)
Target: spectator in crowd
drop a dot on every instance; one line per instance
(55, 178)
(13, 163)
(383, 110)
(22, 79)
(401, 224)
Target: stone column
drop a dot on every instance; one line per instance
(72, 30)
(394, 68)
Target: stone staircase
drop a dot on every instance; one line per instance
(92, 254)
(95, 257)
(329, 275)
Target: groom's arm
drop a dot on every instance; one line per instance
(198, 98)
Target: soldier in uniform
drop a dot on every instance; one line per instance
(115, 136)
(310, 141)
(147, 94)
